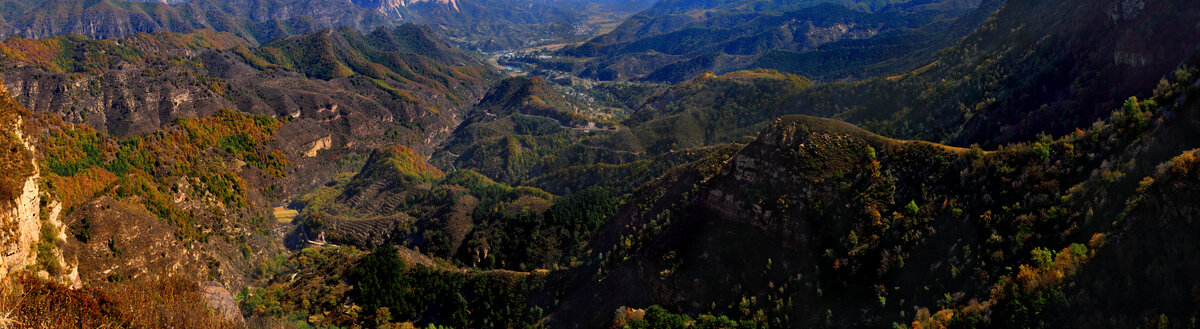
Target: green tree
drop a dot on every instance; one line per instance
(378, 283)
(659, 318)
(912, 208)
(458, 311)
(1041, 150)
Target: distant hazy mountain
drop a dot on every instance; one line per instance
(482, 24)
(255, 20)
(675, 40)
(501, 24)
(703, 7)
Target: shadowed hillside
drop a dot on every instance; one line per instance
(797, 164)
(824, 40)
(816, 219)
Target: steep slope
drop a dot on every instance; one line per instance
(759, 220)
(528, 132)
(820, 223)
(462, 217)
(101, 226)
(178, 303)
(394, 288)
(1035, 67)
(518, 122)
(182, 188)
(1135, 201)
(31, 224)
(344, 91)
(1152, 255)
(390, 170)
(21, 221)
(1001, 84)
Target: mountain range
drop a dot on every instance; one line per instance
(701, 164)
(479, 24)
(826, 40)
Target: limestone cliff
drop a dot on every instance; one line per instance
(27, 215)
(19, 215)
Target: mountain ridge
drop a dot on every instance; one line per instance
(948, 164)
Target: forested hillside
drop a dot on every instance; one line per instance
(562, 164)
(826, 40)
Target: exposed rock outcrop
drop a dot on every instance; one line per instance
(19, 216)
(391, 6)
(29, 216)
(219, 299)
(321, 144)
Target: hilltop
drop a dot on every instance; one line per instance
(982, 91)
(519, 122)
(818, 213)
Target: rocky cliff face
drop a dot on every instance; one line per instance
(414, 92)
(22, 226)
(121, 102)
(19, 216)
(391, 6)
